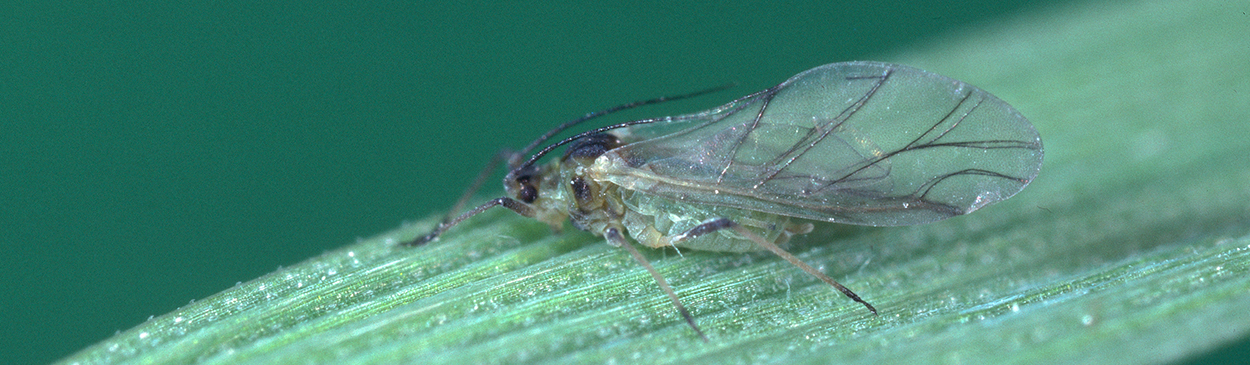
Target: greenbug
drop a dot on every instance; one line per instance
(865, 143)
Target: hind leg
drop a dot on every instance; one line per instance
(717, 224)
(615, 238)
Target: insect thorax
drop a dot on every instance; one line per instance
(590, 205)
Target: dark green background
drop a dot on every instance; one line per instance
(156, 153)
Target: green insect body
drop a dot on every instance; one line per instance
(862, 143)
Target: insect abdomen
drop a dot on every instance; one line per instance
(655, 221)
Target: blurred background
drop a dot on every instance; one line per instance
(155, 153)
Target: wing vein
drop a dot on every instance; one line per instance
(755, 123)
(837, 121)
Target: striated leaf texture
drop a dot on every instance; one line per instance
(1131, 246)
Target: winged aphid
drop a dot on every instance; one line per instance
(863, 143)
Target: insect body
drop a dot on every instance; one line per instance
(862, 143)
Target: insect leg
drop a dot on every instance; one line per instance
(515, 206)
(722, 223)
(616, 239)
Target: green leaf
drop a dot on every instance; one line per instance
(1132, 246)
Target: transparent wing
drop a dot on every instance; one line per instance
(859, 143)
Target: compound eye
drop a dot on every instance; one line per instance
(527, 192)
